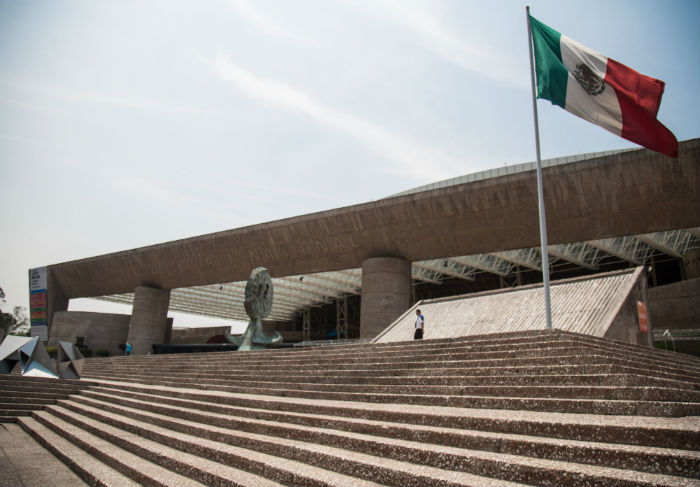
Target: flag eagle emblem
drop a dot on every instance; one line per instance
(589, 81)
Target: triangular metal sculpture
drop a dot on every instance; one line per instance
(34, 360)
(9, 352)
(69, 361)
(258, 304)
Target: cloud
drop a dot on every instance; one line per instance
(262, 22)
(145, 188)
(21, 140)
(84, 96)
(416, 161)
(478, 58)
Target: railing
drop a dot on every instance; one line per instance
(676, 335)
(331, 343)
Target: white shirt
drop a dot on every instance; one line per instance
(419, 322)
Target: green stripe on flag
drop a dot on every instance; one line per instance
(552, 75)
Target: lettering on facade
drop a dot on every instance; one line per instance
(306, 248)
(321, 246)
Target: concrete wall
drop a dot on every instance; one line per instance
(691, 264)
(201, 335)
(196, 335)
(101, 330)
(625, 326)
(675, 306)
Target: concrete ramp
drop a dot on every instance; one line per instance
(603, 305)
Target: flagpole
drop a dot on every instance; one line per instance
(540, 197)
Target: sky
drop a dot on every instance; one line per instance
(135, 122)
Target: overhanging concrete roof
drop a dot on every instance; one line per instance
(299, 292)
(628, 193)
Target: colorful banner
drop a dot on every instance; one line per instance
(38, 303)
(643, 319)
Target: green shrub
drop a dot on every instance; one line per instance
(102, 352)
(85, 351)
(52, 351)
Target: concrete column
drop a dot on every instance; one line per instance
(386, 293)
(57, 300)
(149, 319)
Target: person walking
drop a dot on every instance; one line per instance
(420, 323)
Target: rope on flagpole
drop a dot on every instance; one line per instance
(540, 197)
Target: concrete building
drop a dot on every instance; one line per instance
(356, 269)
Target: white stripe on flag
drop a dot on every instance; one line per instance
(602, 109)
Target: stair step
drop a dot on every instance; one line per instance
(402, 462)
(626, 393)
(155, 463)
(571, 404)
(523, 379)
(87, 467)
(25, 462)
(231, 363)
(42, 382)
(8, 401)
(215, 462)
(138, 469)
(330, 431)
(488, 343)
(680, 432)
(21, 406)
(431, 351)
(432, 375)
(662, 432)
(6, 391)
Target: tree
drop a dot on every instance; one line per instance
(7, 321)
(5, 318)
(15, 323)
(22, 325)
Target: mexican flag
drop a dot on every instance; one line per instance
(600, 90)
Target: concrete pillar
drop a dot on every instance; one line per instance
(386, 293)
(149, 319)
(57, 300)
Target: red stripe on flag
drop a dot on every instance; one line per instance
(639, 97)
(643, 90)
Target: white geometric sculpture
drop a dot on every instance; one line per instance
(9, 352)
(69, 360)
(34, 360)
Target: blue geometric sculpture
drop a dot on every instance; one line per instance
(69, 361)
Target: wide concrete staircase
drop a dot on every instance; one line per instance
(533, 408)
(19, 396)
